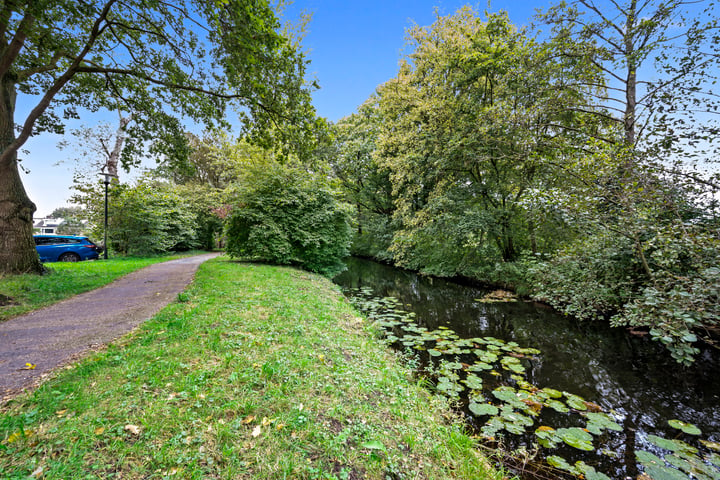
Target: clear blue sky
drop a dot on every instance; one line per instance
(354, 45)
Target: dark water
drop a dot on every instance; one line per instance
(630, 376)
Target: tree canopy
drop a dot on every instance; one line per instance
(161, 62)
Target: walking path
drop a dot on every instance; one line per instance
(56, 335)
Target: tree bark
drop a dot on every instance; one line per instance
(17, 247)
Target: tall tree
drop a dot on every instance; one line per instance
(162, 61)
(472, 124)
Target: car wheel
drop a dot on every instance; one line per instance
(69, 257)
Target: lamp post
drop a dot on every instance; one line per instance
(106, 181)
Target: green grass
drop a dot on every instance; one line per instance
(65, 279)
(257, 372)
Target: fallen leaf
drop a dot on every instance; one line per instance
(248, 419)
(60, 413)
(266, 421)
(29, 366)
(134, 429)
(99, 430)
(18, 435)
(37, 472)
(257, 431)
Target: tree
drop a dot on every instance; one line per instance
(367, 185)
(650, 245)
(160, 61)
(284, 214)
(473, 126)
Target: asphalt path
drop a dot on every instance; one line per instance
(62, 333)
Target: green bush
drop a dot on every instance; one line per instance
(150, 217)
(285, 215)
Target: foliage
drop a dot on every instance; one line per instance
(473, 126)
(159, 62)
(365, 183)
(285, 215)
(150, 217)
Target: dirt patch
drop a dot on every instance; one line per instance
(5, 300)
(66, 331)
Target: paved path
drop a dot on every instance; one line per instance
(58, 334)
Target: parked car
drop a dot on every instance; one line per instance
(65, 248)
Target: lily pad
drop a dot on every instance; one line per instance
(589, 472)
(483, 409)
(557, 405)
(576, 438)
(547, 437)
(711, 445)
(479, 367)
(672, 444)
(575, 401)
(597, 422)
(688, 428)
(559, 462)
(551, 393)
(473, 382)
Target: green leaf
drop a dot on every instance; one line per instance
(688, 428)
(576, 438)
(374, 445)
(483, 409)
(559, 462)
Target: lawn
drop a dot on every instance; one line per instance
(256, 372)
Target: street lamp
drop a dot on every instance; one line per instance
(106, 181)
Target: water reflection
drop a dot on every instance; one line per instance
(630, 375)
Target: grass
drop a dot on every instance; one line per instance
(20, 294)
(256, 372)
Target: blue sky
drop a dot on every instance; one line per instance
(354, 46)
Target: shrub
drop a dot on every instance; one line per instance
(288, 216)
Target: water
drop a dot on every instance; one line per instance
(631, 377)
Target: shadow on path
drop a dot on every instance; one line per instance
(58, 334)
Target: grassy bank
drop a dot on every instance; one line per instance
(23, 293)
(260, 372)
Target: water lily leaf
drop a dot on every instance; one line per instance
(679, 463)
(551, 393)
(575, 401)
(473, 382)
(688, 428)
(479, 367)
(597, 422)
(514, 428)
(547, 437)
(576, 438)
(664, 473)
(711, 445)
(483, 409)
(485, 356)
(492, 427)
(557, 406)
(672, 445)
(589, 472)
(648, 459)
(434, 353)
(509, 396)
(559, 462)
(453, 365)
(516, 418)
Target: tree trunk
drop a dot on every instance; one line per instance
(17, 248)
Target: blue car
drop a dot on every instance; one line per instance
(65, 248)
